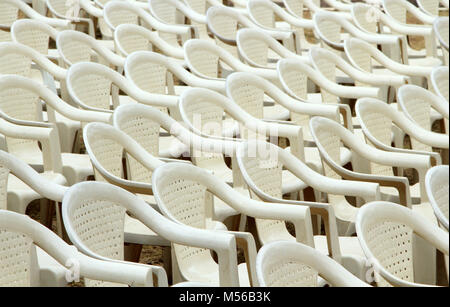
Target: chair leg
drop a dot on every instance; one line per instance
(46, 210)
(167, 262)
(132, 252)
(59, 226)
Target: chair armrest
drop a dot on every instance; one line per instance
(409, 70)
(30, 13)
(166, 28)
(354, 73)
(87, 6)
(193, 80)
(379, 156)
(20, 122)
(283, 15)
(416, 12)
(117, 272)
(5, 28)
(47, 135)
(417, 30)
(325, 211)
(324, 83)
(435, 158)
(246, 241)
(399, 183)
(31, 178)
(367, 191)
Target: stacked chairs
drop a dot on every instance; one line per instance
(36, 35)
(311, 136)
(361, 13)
(10, 12)
(224, 23)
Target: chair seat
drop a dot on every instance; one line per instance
(427, 211)
(53, 54)
(171, 147)
(291, 183)
(313, 159)
(136, 232)
(353, 257)
(106, 43)
(20, 194)
(391, 194)
(429, 61)
(222, 211)
(51, 272)
(76, 167)
(208, 272)
(276, 112)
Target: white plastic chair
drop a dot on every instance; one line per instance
(122, 12)
(19, 59)
(370, 19)
(93, 86)
(362, 55)
(154, 73)
(259, 49)
(23, 240)
(432, 7)
(100, 207)
(202, 111)
(60, 9)
(20, 184)
(207, 60)
(261, 165)
(330, 26)
(10, 10)
(268, 15)
(35, 34)
(371, 164)
(331, 65)
(298, 7)
(294, 75)
(299, 266)
(374, 165)
(388, 234)
(379, 122)
(439, 80)
(75, 47)
(419, 105)
(398, 9)
(436, 183)
(142, 123)
(174, 11)
(20, 104)
(130, 38)
(250, 92)
(183, 193)
(259, 161)
(224, 23)
(440, 27)
(15, 132)
(107, 147)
